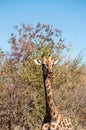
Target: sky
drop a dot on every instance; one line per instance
(67, 15)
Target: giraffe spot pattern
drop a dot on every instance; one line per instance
(57, 122)
(49, 97)
(48, 91)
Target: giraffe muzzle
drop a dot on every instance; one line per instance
(51, 75)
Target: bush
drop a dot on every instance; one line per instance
(22, 101)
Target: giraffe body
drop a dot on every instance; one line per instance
(53, 120)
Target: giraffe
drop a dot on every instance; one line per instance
(53, 120)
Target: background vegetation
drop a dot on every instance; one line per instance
(22, 104)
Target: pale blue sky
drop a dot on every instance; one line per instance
(67, 15)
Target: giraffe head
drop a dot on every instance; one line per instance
(47, 65)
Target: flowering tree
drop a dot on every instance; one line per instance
(40, 40)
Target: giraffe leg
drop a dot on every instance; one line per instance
(45, 126)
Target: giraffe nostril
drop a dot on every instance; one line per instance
(51, 74)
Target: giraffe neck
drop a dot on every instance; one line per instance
(48, 96)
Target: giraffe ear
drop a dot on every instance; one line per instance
(55, 62)
(38, 62)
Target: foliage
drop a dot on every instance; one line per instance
(38, 41)
(21, 85)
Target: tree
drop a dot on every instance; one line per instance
(21, 84)
(36, 41)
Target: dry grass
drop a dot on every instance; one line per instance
(21, 92)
